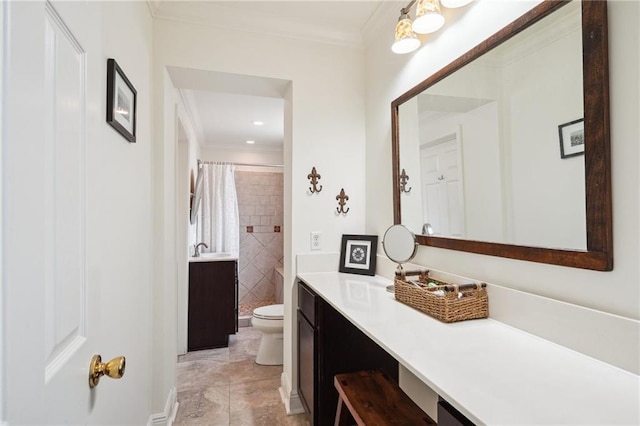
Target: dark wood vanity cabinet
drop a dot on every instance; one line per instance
(449, 416)
(329, 344)
(213, 304)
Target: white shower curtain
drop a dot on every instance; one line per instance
(219, 226)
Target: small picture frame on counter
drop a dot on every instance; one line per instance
(358, 254)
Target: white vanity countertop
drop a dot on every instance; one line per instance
(492, 373)
(214, 257)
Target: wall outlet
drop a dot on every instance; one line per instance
(316, 241)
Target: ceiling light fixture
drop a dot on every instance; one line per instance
(452, 4)
(258, 123)
(405, 40)
(251, 142)
(429, 19)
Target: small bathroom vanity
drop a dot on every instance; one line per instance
(213, 300)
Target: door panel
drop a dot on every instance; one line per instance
(442, 188)
(68, 272)
(65, 215)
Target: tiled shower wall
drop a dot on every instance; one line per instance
(260, 204)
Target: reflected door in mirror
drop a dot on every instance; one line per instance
(442, 184)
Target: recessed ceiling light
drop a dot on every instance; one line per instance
(258, 123)
(251, 142)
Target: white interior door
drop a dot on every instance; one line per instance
(442, 187)
(61, 295)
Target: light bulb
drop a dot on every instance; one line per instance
(405, 39)
(428, 17)
(451, 4)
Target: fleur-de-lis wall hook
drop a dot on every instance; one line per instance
(404, 177)
(314, 177)
(342, 199)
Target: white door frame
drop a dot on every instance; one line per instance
(182, 230)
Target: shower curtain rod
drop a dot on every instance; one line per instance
(240, 164)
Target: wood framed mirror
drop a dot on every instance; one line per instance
(538, 235)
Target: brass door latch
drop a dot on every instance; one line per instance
(113, 369)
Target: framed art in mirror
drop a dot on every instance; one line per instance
(571, 138)
(517, 212)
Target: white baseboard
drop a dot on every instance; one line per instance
(290, 398)
(167, 417)
(244, 321)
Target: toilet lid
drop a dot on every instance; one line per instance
(274, 312)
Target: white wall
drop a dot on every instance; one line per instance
(127, 36)
(390, 75)
(411, 202)
(324, 127)
(548, 191)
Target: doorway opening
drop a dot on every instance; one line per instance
(218, 114)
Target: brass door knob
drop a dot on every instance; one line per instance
(113, 369)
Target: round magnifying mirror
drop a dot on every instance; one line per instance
(400, 245)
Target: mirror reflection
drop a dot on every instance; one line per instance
(197, 197)
(482, 147)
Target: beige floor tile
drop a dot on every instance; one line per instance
(226, 387)
(249, 371)
(220, 354)
(195, 375)
(255, 394)
(204, 407)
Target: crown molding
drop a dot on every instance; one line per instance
(217, 16)
(383, 19)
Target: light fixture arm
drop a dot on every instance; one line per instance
(405, 10)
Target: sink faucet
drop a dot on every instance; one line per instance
(196, 253)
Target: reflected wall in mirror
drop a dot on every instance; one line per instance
(197, 197)
(482, 138)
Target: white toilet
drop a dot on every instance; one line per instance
(270, 321)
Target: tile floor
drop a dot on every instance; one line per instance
(226, 387)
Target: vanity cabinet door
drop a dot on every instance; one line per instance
(212, 304)
(329, 344)
(306, 364)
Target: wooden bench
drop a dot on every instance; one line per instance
(372, 398)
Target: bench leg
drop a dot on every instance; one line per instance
(342, 414)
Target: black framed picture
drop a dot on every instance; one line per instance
(358, 254)
(571, 138)
(121, 101)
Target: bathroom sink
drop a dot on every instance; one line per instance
(214, 255)
(210, 257)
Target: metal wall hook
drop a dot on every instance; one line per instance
(314, 177)
(404, 177)
(342, 199)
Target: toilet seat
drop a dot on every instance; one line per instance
(271, 312)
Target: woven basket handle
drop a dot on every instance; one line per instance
(464, 287)
(403, 273)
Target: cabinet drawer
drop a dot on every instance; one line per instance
(449, 416)
(307, 303)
